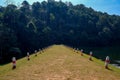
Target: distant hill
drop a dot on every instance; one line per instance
(35, 26)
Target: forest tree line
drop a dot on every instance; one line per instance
(30, 27)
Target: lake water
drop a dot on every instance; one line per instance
(102, 52)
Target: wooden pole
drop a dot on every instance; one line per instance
(35, 52)
(81, 52)
(107, 61)
(90, 57)
(28, 56)
(77, 50)
(14, 62)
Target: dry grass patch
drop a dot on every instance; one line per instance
(59, 62)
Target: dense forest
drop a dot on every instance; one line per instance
(29, 27)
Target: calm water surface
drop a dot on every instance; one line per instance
(102, 52)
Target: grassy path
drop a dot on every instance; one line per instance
(59, 62)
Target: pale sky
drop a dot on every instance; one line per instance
(109, 6)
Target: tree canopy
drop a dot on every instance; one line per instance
(35, 26)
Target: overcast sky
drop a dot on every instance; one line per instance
(109, 6)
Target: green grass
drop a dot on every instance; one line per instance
(59, 62)
(100, 62)
(20, 62)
